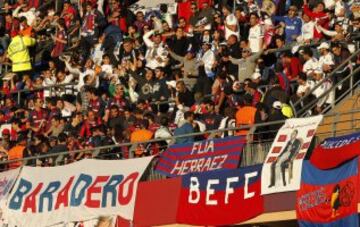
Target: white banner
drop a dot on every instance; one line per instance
(44, 196)
(282, 167)
(7, 181)
(153, 3)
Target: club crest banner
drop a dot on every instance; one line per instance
(201, 156)
(282, 167)
(328, 197)
(221, 197)
(44, 196)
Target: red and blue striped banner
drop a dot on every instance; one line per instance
(202, 156)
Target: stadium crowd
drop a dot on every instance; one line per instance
(129, 74)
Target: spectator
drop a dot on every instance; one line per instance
(256, 34)
(114, 70)
(245, 116)
(141, 134)
(19, 54)
(246, 64)
(17, 152)
(326, 60)
(185, 128)
(292, 24)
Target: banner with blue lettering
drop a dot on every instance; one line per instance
(328, 197)
(336, 150)
(44, 196)
(221, 197)
(202, 156)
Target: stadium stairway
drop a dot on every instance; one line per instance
(343, 118)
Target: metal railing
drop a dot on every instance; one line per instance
(350, 78)
(254, 152)
(50, 88)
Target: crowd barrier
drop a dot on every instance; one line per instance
(349, 83)
(254, 151)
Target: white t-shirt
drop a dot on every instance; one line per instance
(302, 88)
(307, 30)
(256, 35)
(310, 66)
(231, 20)
(329, 4)
(328, 59)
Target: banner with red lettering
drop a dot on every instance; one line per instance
(202, 156)
(221, 197)
(44, 196)
(282, 166)
(328, 197)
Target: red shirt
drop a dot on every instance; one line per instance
(201, 2)
(293, 69)
(95, 105)
(12, 28)
(13, 135)
(122, 24)
(184, 10)
(59, 46)
(322, 17)
(256, 98)
(67, 17)
(34, 3)
(118, 101)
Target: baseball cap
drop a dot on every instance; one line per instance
(277, 105)
(323, 45)
(255, 76)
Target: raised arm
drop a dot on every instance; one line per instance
(235, 61)
(176, 57)
(256, 56)
(71, 69)
(325, 31)
(147, 40)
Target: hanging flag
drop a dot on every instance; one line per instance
(328, 197)
(7, 181)
(201, 156)
(83, 190)
(336, 150)
(220, 197)
(282, 166)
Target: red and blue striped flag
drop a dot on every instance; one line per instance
(201, 156)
